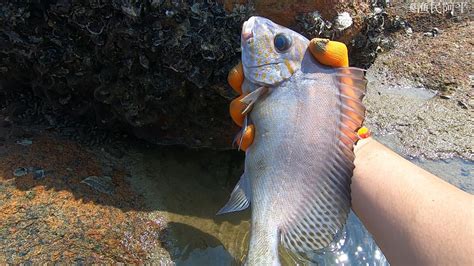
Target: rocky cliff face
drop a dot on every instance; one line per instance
(155, 68)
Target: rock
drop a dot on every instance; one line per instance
(463, 104)
(24, 142)
(39, 174)
(445, 95)
(102, 184)
(470, 102)
(432, 33)
(21, 171)
(158, 70)
(155, 69)
(343, 21)
(287, 12)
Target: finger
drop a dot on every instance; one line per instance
(236, 78)
(236, 108)
(330, 53)
(244, 141)
(363, 133)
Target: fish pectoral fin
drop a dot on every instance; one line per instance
(321, 210)
(244, 128)
(251, 98)
(352, 87)
(240, 197)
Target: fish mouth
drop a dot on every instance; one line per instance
(247, 29)
(262, 65)
(246, 36)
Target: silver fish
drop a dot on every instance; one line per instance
(298, 170)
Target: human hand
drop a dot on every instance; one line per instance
(330, 53)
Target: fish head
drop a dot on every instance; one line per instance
(270, 53)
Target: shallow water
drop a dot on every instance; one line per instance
(188, 187)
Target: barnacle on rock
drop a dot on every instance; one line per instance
(146, 64)
(156, 67)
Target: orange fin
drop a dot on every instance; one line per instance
(352, 87)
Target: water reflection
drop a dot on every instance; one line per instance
(355, 247)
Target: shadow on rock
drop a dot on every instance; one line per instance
(193, 183)
(172, 178)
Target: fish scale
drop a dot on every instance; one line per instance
(298, 169)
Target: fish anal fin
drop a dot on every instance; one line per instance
(239, 198)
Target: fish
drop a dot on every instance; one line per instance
(298, 170)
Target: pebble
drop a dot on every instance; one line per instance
(24, 142)
(20, 171)
(445, 95)
(38, 174)
(428, 33)
(432, 33)
(343, 21)
(463, 104)
(100, 183)
(470, 102)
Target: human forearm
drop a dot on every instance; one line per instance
(415, 217)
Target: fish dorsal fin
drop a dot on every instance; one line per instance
(318, 219)
(240, 197)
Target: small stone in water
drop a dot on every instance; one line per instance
(38, 174)
(20, 171)
(100, 183)
(24, 142)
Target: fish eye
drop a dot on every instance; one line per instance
(282, 42)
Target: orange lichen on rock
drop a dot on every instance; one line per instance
(56, 218)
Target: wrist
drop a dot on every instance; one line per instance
(362, 145)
